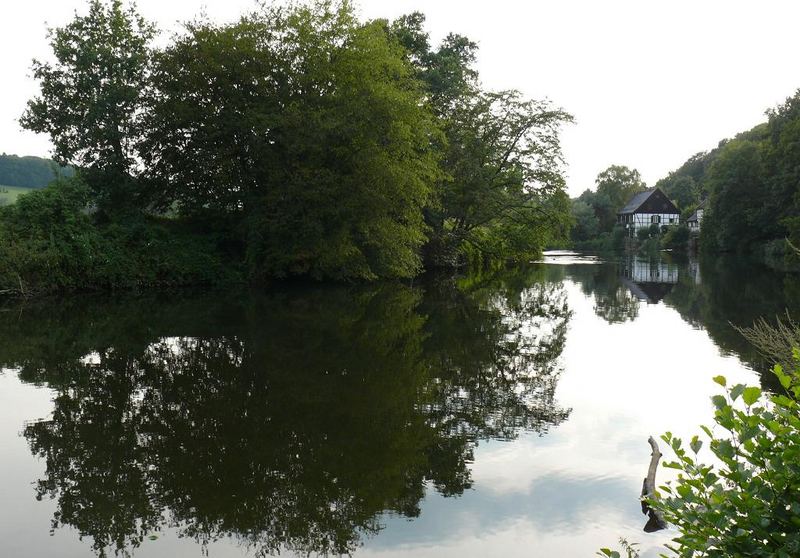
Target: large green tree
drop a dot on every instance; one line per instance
(784, 162)
(615, 187)
(736, 217)
(683, 191)
(308, 128)
(90, 94)
(585, 226)
(505, 197)
(502, 196)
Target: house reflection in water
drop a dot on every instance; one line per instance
(649, 280)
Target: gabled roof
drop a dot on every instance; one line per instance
(637, 201)
(694, 216)
(651, 293)
(650, 201)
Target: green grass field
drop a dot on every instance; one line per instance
(9, 194)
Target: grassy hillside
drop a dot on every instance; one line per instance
(9, 194)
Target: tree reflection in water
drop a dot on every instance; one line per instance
(289, 420)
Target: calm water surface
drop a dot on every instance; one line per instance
(503, 415)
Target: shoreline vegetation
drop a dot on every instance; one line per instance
(748, 188)
(295, 142)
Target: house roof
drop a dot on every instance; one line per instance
(700, 207)
(650, 201)
(637, 201)
(651, 293)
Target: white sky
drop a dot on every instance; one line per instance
(650, 83)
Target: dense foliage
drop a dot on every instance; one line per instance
(49, 242)
(751, 186)
(594, 213)
(312, 143)
(501, 195)
(29, 172)
(746, 503)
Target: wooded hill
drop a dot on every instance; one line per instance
(29, 172)
(751, 184)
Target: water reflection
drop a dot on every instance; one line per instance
(613, 301)
(711, 293)
(287, 421)
(649, 280)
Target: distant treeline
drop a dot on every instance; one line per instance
(594, 212)
(297, 141)
(29, 172)
(751, 184)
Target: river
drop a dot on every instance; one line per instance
(505, 414)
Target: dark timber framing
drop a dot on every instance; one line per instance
(651, 207)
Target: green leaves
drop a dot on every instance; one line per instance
(307, 129)
(736, 391)
(91, 97)
(749, 494)
(784, 379)
(751, 395)
(719, 401)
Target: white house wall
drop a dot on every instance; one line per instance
(643, 271)
(644, 220)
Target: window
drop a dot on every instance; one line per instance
(671, 221)
(655, 219)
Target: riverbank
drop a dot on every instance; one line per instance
(50, 242)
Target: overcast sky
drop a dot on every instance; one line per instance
(650, 83)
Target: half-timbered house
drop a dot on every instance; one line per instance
(651, 207)
(697, 217)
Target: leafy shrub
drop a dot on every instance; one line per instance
(747, 504)
(630, 550)
(49, 242)
(606, 242)
(676, 238)
(643, 234)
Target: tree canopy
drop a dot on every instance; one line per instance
(502, 193)
(318, 144)
(309, 127)
(90, 95)
(750, 184)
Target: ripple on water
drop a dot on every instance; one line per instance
(567, 257)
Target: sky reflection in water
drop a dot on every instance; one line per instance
(500, 415)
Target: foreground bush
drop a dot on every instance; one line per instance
(746, 503)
